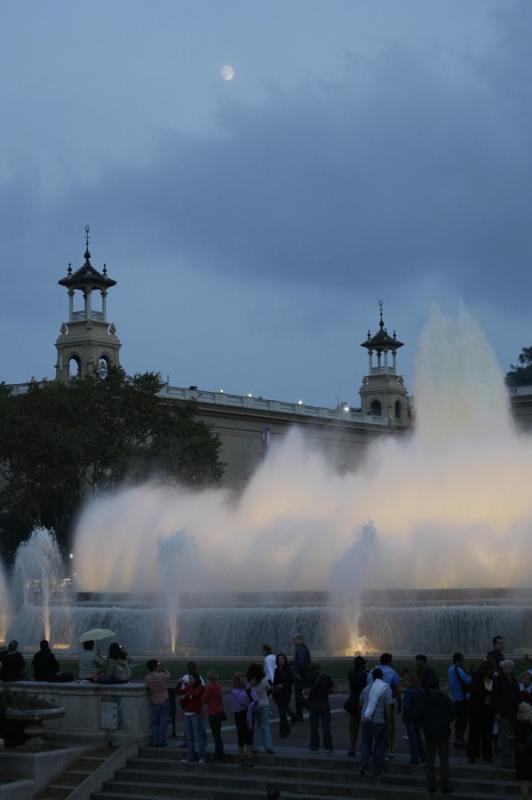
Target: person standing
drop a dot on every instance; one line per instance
(523, 748)
(412, 706)
(480, 711)
(283, 681)
(261, 723)
(195, 735)
(437, 713)
(506, 697)
(423, 671)
(390, 676)
(160, 702)
(357, 678)
(240, 705)
(497, 653)
(192, 669)
(525, 687)
(13, 663)
(459, 683)
(318, 689)
(213, 699)
(302, 663)
(376, 701)
(270, 662)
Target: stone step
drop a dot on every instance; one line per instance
(331, 765)
(213, 788)
(165, 770)
(72, 777)
(232, 794)
(76, 773)
(58, 790)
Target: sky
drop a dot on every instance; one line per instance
(365, 150)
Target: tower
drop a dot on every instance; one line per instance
(383, 392)
(87, 342)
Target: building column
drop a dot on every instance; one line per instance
(70, 304)
(104, 305)
(88, 304)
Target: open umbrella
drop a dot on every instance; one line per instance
(96, 634)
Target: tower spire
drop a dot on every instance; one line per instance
(87, 237)
(381, 323)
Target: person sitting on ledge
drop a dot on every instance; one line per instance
(90, 662)
(13, 663)
(117, 669)
(46, 666)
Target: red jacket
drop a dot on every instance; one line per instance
(212, 698)
(191, 702)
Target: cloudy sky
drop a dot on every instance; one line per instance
(365, 150)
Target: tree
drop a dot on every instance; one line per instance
(59, 442)
(521, 374)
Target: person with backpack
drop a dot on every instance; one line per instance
(459, 684)
(437, 713)
(376, 701)
(316, 694)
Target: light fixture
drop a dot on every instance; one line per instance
(300, 402)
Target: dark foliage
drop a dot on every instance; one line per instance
(60, 442)
(521, 374)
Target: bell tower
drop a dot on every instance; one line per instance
(88, 342)
(383, 392)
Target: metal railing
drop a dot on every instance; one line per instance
(80, 315)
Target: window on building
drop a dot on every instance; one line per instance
(398, 409)
(74, 368)
(103, 366)
(375, 408)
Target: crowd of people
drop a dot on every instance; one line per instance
(489, 708)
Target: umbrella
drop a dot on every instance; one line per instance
(95, 634)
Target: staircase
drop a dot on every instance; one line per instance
(156, 775)
(76, 773)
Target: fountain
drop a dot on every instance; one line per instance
(4, 603)
(451, 513)
(37, 574)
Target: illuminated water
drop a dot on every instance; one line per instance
(451, 507)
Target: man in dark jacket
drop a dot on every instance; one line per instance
(45, 665)
(301, 662)
(317, 689)
(436, 714)
(357, 677)
(497, 654)
(505, 703)
(423, 671)
(12, 663)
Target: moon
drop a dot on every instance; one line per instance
(227, 72)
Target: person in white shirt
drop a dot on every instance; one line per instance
(269, 662)
(90, 662)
